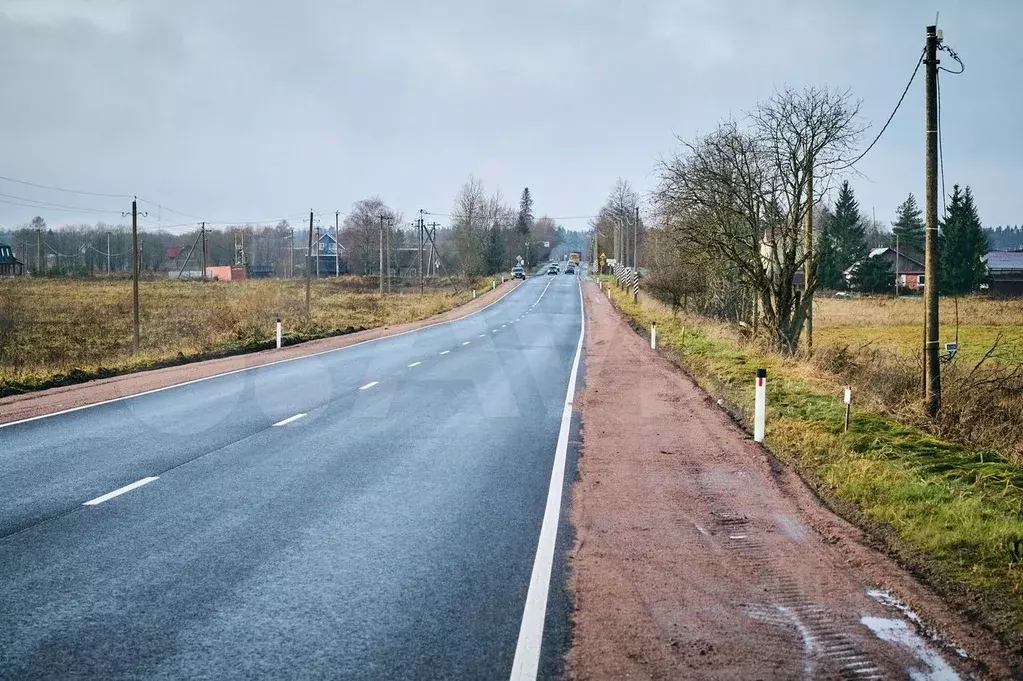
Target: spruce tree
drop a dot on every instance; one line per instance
(963, 246)
(874, 275)
(909, 226)
(525, 220)
(843, 241)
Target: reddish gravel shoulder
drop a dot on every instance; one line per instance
(699, 556)
(34, 404)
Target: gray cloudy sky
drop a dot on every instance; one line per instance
(254, 109)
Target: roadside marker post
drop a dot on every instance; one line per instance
(278, 333)
(848, 407)
(474, 294)
(653, 335)
(760, 406)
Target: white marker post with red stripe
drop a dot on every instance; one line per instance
(760, 406)
(278, 333)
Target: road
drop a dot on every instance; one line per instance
(372, 512)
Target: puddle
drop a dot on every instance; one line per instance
(886, 598)
(931, 668)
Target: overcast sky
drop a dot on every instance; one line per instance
(255, 109)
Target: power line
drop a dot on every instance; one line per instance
(62, 189)
(56, 207)
(47, 204)
(888, 122)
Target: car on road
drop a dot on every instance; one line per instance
(518, 273)
(552, 269)
(570, 269)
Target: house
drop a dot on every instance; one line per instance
(1006, 271)
(906, 264)
(329, 256)
(9, 265)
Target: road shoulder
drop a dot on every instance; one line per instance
(35, 404)
(698, 555)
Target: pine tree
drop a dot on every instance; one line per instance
(525, 221)
(874, 275)
(909, 226)
(843, 242)
(963, 245)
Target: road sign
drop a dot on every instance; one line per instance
(547, 244)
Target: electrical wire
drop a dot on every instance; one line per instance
(56, 207)
(892, 116)
(62, 189)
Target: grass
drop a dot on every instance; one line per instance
(896, 325)
(952, 512)
(54, 332)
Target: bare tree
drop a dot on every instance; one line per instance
(469, 227)
(742, 194)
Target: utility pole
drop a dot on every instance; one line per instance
(204, 257)
(932, 373)
(108, 254)
(808, 271)
(309, 267)
(434, 254)
(422, 222)
(896, 265)
(635, 239)
(292, 251)
(39, 251)
(317, 252)
(381, 216)
(387, 251)
(135, 270)
(337, 244)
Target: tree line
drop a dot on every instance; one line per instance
(483, 236)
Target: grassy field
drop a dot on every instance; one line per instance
(61, 331)
(896, 324)
(951, 511)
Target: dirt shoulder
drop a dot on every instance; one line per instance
(699, 556)
(33, 404)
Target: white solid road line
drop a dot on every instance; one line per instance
(527, 650)
(414, 364)
(258, 366)
(288, 420)
(445, 352)
(118, 492)
(369, 385)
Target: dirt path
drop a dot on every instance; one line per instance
(33, 404)
(699, 557)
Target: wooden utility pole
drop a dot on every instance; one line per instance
(381, 216)
(434, 253)
(205, 261)
(932, 372)
(317, 249)
(635, 239)
(309, 267)
(108, 253)
(337, 244)
(422, 223)
(387, 251)
(39, 252)
(135, 270)
(808, 270)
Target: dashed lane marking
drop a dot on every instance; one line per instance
(288, 420)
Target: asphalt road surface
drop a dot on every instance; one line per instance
(372, 512)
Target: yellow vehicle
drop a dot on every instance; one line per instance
(575, 258)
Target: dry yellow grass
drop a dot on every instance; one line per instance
(896, 325)
(60, 330)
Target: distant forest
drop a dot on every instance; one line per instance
(1004, 238)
